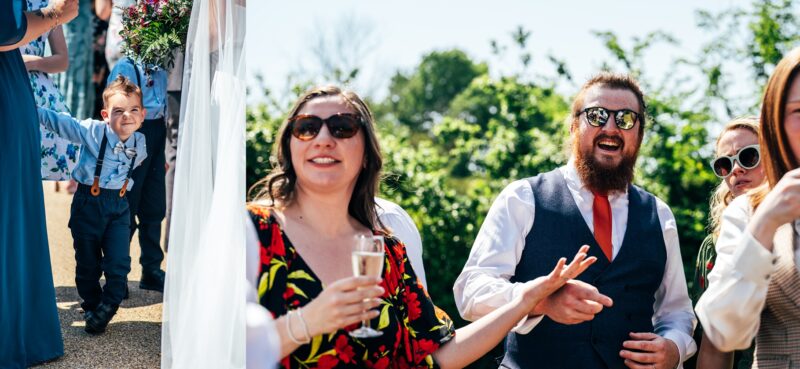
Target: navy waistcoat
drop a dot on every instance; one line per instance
(631, 280)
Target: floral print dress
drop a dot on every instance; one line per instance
(413, 328)
(59, 156)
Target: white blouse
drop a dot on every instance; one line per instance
(730, 310)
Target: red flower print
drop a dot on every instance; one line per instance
(265, 256)
(327, 362)
(423, 348)
(411, 301)
(702, 282)
(343, 350)
(277, 246)
(709, 265)
(288, 293)
(382, 363)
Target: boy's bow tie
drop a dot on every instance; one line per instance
(120, 147)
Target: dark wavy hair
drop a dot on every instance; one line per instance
(278, 187)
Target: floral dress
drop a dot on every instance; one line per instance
(59, 156)
(413, 328)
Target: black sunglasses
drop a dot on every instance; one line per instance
(598, 116)
(341, 125)
(748, 157)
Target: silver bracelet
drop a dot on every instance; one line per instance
(289, 329)
(305, 326)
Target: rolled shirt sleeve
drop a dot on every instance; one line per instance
(673, 317)
(730, 310)
(484, 284)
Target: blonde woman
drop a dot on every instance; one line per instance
(738, 163)
(754, 290)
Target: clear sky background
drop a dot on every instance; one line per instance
(282, 33)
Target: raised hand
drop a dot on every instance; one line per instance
(780, 206)
(343, 303)
(540, 288)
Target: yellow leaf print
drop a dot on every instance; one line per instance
(296, 289)
(315, 344)
(273, 268)
(300, 274)
(384, 321)
(316, 358)
(262, 285)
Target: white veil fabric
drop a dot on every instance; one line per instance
(206, 286)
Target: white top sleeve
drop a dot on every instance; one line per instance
(484, 284)
(673, 317)
(730, 310)
(403, 227)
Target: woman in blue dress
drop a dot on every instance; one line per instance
(29, 329)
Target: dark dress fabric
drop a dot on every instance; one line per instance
(29, 328)
(413, 327)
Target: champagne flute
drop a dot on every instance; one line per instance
(367, 261)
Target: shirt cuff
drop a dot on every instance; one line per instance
(527, 324)
(686, 345)
(752, 261)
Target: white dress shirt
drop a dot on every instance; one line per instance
(730, 310)
(403, 227)
(484, 283)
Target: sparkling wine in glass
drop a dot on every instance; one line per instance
(367, 261)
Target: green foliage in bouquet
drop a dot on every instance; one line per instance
(153, 29)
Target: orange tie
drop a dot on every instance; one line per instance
(601, 210)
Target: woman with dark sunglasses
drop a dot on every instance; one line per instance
(754, 289)
(738, 164)
(319, 197)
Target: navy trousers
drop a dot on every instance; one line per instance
(100, 227)
(148, 196)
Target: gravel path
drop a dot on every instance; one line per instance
(133, 339)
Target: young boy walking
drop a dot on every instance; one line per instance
(100, 215)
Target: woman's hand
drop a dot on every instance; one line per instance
(30, 62)
(780, 206)
(343, 303)
(539, 288)
(63, 10)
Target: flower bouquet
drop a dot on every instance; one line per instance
(153, 29)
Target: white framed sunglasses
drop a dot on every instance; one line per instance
(748, 157)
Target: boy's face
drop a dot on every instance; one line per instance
(124, 114)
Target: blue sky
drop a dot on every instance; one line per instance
(281, 34)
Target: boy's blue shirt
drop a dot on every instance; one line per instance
(154, 97)
(89, 133)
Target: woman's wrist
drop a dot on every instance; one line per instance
(52, 14)
(762, 229)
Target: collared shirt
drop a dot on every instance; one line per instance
(730, 310)
(403, 227)
(154, 96)
(484, 284)
(89, 133)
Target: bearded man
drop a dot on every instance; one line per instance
(631, 307)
